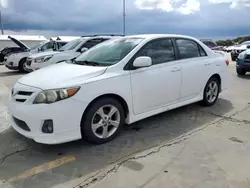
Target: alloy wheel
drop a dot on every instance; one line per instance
(106, 121)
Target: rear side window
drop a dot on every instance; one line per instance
(189, 49)
(160, 51)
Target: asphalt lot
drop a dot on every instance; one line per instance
(26, 164)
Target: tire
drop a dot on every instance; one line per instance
(92, 117)
(22, 66)
(233, 58)
(240, 72)
(207, 101)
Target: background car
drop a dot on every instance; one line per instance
(16, 61)
(118, 81)
(71, 50)
(243, 63)
(212, 45)
(238, 49)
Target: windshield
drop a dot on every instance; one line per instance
(71, 45)
(109, 52)
(38, 45)
(246, 43)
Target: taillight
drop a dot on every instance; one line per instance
(227, 62)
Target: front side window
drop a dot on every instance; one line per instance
(38, 45)
(188, 48)
(48, 46)
(160, 51)
(109, 52)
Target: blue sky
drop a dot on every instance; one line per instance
(201, 18)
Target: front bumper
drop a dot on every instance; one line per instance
(66, 116)
(11, 67)
(243, 64)
(35, 66)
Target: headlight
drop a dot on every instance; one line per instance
(47, 58)
(43, 59)
(51, 96)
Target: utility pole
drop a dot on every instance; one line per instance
(1, 22)
(124, 17)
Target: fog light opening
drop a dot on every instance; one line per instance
(48, 127)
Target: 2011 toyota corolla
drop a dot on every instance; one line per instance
(119, 81)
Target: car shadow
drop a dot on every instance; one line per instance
(10, 73)
(137, 137)
(245, 77)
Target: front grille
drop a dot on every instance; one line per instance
(21, 124)
(20, 100)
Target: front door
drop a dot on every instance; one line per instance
(158, 85)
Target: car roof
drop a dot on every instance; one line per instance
(155, 36)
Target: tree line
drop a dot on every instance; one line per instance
(229, 42)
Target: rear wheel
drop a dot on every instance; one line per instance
(22, 65)
(240, 72)
(211, 92)
(102, 121)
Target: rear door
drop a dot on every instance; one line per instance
(196, 67)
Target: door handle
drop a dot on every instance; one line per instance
(207, 63)
(176, 69)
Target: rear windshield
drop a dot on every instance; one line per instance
(210, 44)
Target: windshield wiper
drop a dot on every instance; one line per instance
(87, 63)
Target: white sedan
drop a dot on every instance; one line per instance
(117, 82)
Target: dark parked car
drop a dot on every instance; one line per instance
(243, 63)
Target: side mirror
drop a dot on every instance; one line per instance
(248, 46)
(39, 49)
(143, 61)
(84, 50)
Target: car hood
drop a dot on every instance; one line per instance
(42, 54)
(19, 43)
(61, 75)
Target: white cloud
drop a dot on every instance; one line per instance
(187, 7)
(234, 3)
(3, 3)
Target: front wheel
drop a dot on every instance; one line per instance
(240, 72)
(211, 92)
(22, 66)
(102, 121)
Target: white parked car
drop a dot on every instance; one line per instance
(118, 81)
(67, 52)
(17, 61)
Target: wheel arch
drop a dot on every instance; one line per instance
(22, 59)
(218, 77)
(110, 95)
